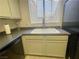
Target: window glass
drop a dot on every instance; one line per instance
(50, 11)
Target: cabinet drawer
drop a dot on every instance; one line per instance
(33, 37)
(57, 38)
(64, 38)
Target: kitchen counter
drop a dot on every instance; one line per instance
(8, 39)
(5, 40)
(30, 32)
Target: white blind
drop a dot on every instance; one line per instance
(52, 11)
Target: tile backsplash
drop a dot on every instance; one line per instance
(12, 23)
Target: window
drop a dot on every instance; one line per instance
(48, 10)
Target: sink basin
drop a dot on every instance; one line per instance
(45, 31)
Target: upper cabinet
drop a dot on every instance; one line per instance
(15, 8)
(4, 9)
(9, 9)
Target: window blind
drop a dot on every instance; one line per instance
(51, 13)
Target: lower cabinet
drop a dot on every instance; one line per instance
(45, 45)
(33, 46)
(56, 48)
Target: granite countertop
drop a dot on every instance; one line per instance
(28, 32)
(6, 39)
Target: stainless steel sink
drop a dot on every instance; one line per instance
(45, 31)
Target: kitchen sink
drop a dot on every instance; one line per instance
(45, 31)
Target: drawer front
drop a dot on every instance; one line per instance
(57, 38)
(33, 37)
(64, 38)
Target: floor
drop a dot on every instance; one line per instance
(38, 57)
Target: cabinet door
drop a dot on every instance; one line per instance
(56, 48)
(33, 46)
(15, 8)
(4, 8)
(56, 45)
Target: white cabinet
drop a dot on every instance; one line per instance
(45, 45)
(9, 9)
(4, 8)
(33, 45)
(56, 48)
(15, 8)
(56, 45)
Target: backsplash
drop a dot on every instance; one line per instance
(12, 23)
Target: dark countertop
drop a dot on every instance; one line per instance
(28, 32)
(7, 39)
